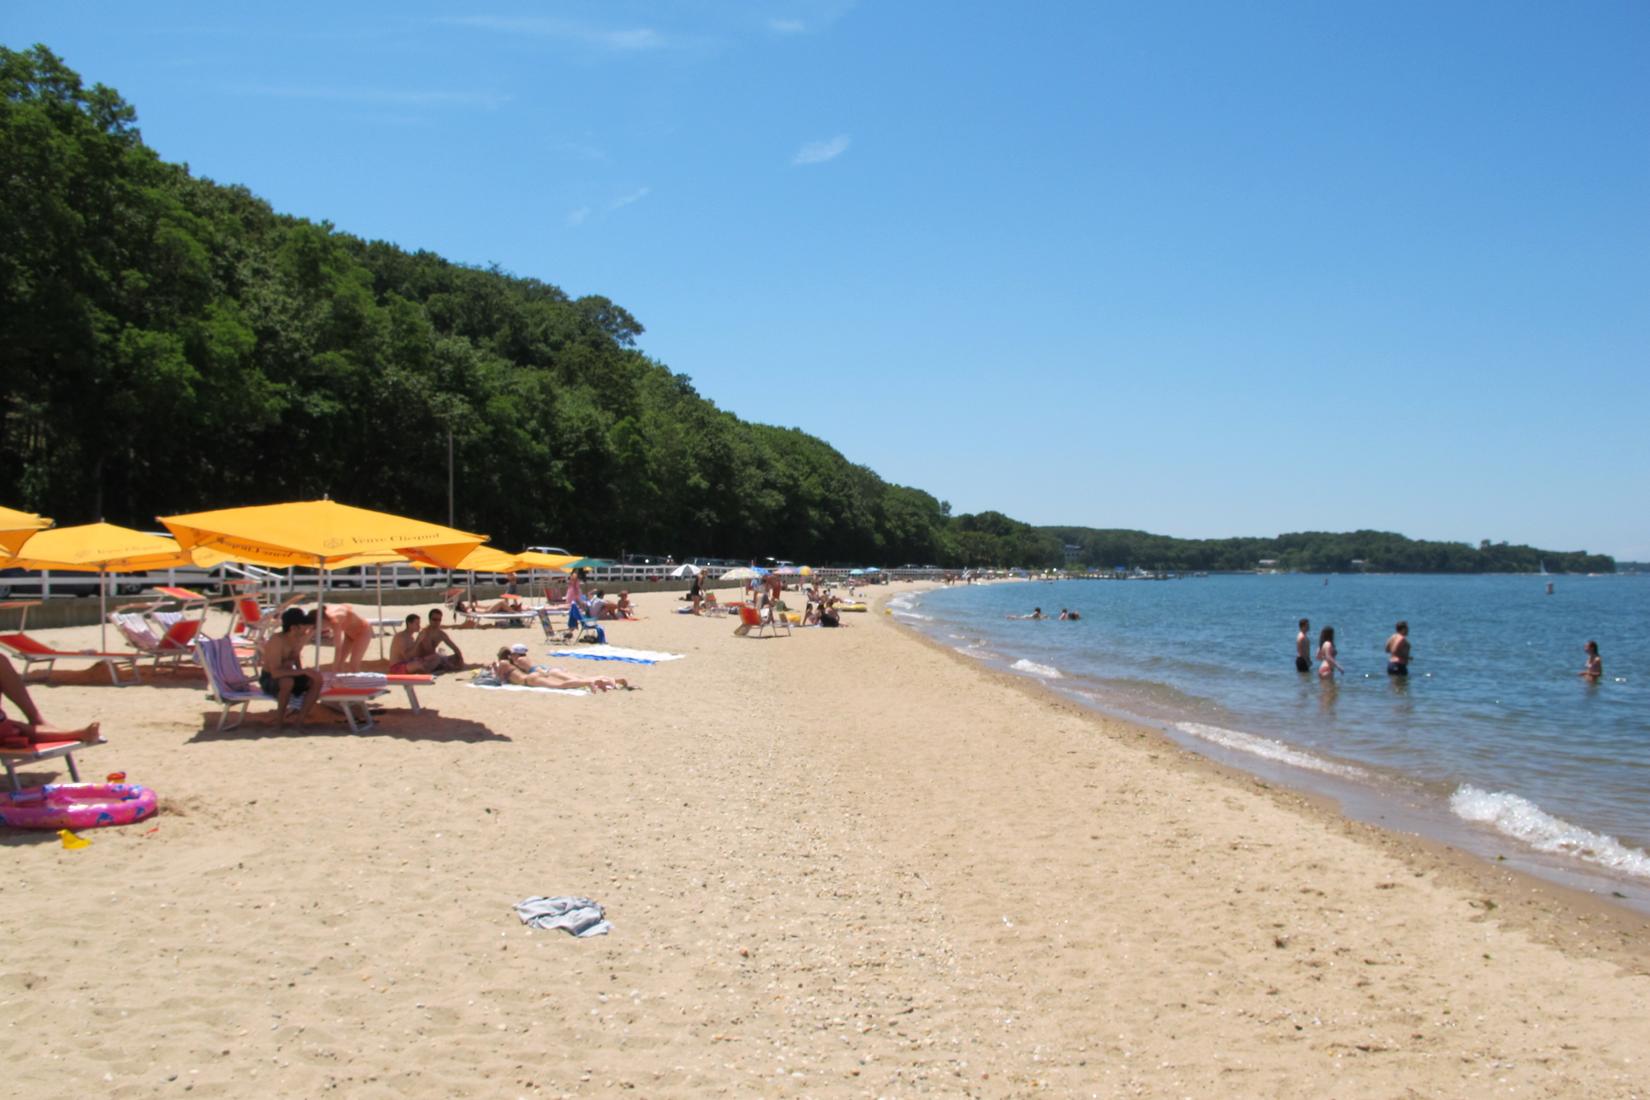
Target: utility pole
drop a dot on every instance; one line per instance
(449, 476)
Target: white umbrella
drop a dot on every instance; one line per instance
(687, 569)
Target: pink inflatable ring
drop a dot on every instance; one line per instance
(76, 805)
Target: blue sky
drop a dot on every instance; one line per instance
(1203, 269)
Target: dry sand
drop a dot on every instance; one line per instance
(841, 863)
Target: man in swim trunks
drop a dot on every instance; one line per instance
(283, 674)
(404, 656)
(33, 728)
(1303, 648)
(432, 638)
(1397, 650)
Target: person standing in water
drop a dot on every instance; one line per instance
(1397, 650)
(1303, 648)
(1593, 670)
(1327, 665)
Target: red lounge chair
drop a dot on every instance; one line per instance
(174, 645)
(32, 651)
(43, 750)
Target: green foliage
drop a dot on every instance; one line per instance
(168, 343)
(1319, 552)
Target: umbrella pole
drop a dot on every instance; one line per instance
(103, 610)
(320, 610)
(378, 627)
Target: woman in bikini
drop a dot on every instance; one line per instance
(513, 667)
(1327, 665)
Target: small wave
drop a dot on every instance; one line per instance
(1523, 820)
(901, 613)
(1269, 749)
(1047, 672)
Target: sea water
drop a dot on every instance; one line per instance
(1492, 741)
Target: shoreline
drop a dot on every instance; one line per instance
(837, 863)
(1372, 793)
(1534, 902)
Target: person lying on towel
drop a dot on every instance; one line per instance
(513, 667)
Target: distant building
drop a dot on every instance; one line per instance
(1267, 563)
(1073, 553)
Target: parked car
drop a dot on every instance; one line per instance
(645, 559)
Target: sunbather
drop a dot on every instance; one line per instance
(404, 656)
(435, 636)
(514, 667)
(34, 728)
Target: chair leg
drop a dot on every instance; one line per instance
(11, 774)
(74, 772)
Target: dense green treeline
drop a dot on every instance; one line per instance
(1319, 552)
(168, 343)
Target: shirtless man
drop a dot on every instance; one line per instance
(33, 728)
(430, 641)
(351, 634)
(1303, 647)
(283, 674)
(404, 656)
(1397, 650)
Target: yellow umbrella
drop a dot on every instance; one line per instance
(16, 527)
(100, 548)
(317, 533)
(532, 559)
(314, 533)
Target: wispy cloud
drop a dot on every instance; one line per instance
(380, 97)
(787, 26)
(818, 152)
(580, 215)
(619, 40)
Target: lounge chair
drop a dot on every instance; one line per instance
(32, 651)
(44, 750)
(752, 619)
(230, 687)
(583, 626)
(172, 643)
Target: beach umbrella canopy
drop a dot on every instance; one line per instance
(743, 573)
(686, 569)
(490, 559)
(587, 563)
(532, 559)
(100, 548)
(16, 528)
(315, 533)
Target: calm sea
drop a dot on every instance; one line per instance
(1493, 742)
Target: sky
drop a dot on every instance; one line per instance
(1203, 269)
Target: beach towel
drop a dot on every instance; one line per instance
(580, 916)
(616, 653)
(494, 685)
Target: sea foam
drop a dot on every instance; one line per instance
(1523, 820)
(1268, 749)
(1047, 672)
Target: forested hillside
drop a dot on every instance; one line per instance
(168, 344)
(1319, 552)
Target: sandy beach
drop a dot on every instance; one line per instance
(838, 863)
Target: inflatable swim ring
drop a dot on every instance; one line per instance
(850, 607)
(77, 806)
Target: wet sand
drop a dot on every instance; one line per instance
(840, 863)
